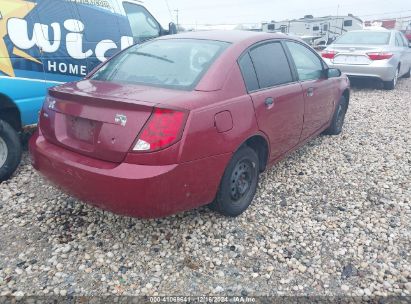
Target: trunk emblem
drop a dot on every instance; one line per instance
(352, 49)
(52, 104)
(121, 119)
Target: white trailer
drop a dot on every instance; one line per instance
(317, 31)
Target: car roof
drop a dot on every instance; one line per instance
(231, 36)
(374, 29)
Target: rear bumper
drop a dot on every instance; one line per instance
(382, 70)
(129, 189)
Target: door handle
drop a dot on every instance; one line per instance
(310, 92)
(269, 102)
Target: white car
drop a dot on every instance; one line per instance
(382, 54)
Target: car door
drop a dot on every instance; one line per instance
(399, 50)
(407, 50)
(277, 97)
(101, 36)
(404, 53)
(57, 19)
(21, 68)
(319, 92)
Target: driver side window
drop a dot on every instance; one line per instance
(143, 25)
(398, 36)
(308, 65)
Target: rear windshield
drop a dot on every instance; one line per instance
(374, 38)
(171, 63)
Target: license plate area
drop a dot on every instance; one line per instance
(351, 59)
(81, 129)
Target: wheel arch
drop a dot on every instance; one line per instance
(259, 144)
(9, 112)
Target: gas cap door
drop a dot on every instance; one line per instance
(223, 121)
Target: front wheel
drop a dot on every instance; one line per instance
(239, 183)
(10, 150)
(337, 122)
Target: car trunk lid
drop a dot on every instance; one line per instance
(354, 54)
(103, 127)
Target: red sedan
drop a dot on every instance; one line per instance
(186, 120)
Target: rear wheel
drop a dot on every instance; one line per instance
(337, 122)
(239, 183)
(390, 85)
(10, 150)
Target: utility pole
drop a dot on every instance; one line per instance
(342, 24)
(177, 11)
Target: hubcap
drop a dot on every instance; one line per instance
(241, 179)
(3, 152)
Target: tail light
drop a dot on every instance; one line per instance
(328, 54)
(379, 55)
(163, 129)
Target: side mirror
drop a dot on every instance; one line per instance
(333, 73)
(172, 28)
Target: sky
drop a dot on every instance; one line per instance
(192, 12)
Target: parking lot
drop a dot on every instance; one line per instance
(334, 218)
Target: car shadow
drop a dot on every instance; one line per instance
(75, 217)
(25, 136)
(366, 83)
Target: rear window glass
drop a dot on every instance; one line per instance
(247, 69)
(171, 63)
(375, 38)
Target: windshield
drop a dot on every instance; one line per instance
(373, 38)
(174, 63)
(142, 24)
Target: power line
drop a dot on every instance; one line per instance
(169, 10)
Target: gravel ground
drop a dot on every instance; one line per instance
(334, 218)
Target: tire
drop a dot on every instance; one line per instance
(10, 150)
(238, 184)
(408, 74)
(337, 122)
(390, 85)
